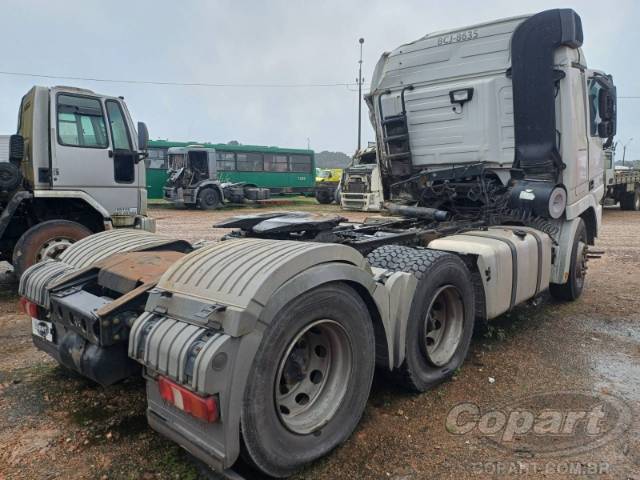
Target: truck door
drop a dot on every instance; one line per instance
(92, 150)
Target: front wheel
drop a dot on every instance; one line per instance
(310, 380)
(46, 240)
(572, 289)
(209, 199)
(441, 319)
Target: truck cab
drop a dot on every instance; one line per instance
(361, 185)
(78, 161)
(456, 106)
(193, 180)
(192, 169)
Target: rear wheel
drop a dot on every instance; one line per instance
(572, 289)
(441, 319)
(631, 201)
(46, 240)
(324, 196)
(209, 199)
(310, 380)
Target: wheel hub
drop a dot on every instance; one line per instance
(443, 326)
(53, 248)
(313, 376)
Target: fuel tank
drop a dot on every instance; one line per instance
(514, 263)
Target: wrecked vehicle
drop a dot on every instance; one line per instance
(266, 342)
(193, 180)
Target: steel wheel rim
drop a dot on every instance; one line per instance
(443, 325)
(53, 248)
(581, 263)
(313, 376)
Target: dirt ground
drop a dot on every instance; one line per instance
(56, 426)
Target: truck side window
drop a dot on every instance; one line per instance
(118, 125)
(594, 114)
(81, 122)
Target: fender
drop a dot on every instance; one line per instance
(206, 184)
(560, 268)
(35, 281)
(237, 287)
(591, 200)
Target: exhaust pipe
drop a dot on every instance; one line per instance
(417, 212)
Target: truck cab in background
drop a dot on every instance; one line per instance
(193, 180)
(361, 185)
(74, 168)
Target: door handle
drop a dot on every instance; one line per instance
(110, 153)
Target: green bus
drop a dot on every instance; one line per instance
(282, 170)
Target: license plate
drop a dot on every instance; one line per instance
(42, 329)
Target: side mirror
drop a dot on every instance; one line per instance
(605, 129)
(607, 103)
(16, 148)
(143, 137)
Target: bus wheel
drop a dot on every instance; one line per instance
(310, 380)
(46, 240)
(441, 319)
(209, 199)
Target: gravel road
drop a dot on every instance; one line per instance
(579, 360)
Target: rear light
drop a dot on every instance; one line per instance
(30, 308)
(204, 408)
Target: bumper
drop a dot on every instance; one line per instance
(141, 222)
(365, 202)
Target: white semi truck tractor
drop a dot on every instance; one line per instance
(72, 169)
(490, 146)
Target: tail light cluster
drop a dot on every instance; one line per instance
(30, 308)
(204, 408)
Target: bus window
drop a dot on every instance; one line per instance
(276, 163)
(300, 163)
(226, 161)
(249, 162)
(157, 159)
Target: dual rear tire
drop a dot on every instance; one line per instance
(441, 318)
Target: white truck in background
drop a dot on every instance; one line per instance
(266, 342)
(72, 169)
(361, 184)
(622, 185)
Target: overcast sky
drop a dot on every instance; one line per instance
(269, 42)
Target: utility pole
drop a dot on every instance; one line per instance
(308, 144)
(360, 80)
(624, 149)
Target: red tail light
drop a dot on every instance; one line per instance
(30, 308)
(204, 408)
